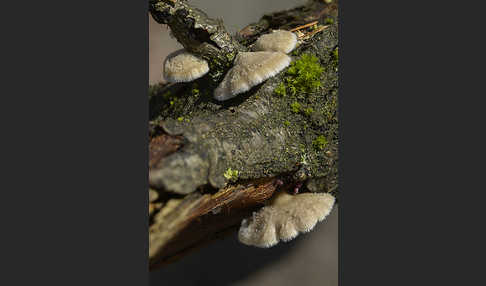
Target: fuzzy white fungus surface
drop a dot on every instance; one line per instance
(182, 66)
(276, 41)
(250, 69)
(286, 217)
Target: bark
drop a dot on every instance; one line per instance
(195, 140)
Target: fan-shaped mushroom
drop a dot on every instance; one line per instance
(285, 218)
(249, 70)
(182, 66)
(276, 41)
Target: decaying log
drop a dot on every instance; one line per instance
(267, 137)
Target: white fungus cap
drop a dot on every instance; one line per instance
(250, 69)
(182, 66)
(277, 41)
(285, 218)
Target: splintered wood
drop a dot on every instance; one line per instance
(304, 26)
(179, 224)
(183, 224)
(313, 28)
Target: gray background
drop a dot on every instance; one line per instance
(311, 259)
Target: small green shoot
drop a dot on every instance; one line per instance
(231, 175)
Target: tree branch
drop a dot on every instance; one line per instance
(269, 137)
(198, 33)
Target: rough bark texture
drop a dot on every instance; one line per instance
(269, 134)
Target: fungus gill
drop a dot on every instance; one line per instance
(182, 66)
(277, 41)
(250, 69)
(285, 217)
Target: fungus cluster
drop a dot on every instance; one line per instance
(250, 68)
(285, 217)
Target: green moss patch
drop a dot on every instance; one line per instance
(231, 175)
(304, 75)
(320, 142)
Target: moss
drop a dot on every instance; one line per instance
(308, 111)
(295, 107)
(302, 148)
(195, 90)
(230, 56)
(287, 123)
(281, 89)
(231, 175)
(304, 75)
(303, 159)
(320, 142)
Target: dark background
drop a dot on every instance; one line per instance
(74, 162)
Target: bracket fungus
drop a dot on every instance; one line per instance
(249, 70)
(285, 217)
(277, 41)
(182, 66)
